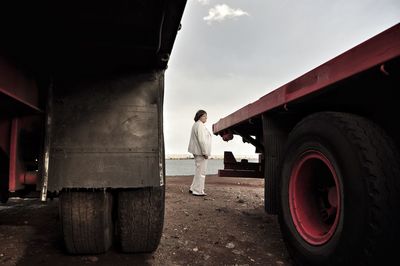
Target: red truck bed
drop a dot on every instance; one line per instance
(375, 51)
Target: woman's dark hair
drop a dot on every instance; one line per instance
(199, 114)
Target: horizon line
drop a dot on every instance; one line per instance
(216, 156)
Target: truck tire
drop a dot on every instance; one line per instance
(339, 192)
(140, 219)
(86, 220)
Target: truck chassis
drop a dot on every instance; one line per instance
(81, 115)
(329, 144)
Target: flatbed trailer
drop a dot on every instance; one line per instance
(329, 144)
(81, 115)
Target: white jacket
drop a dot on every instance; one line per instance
(200, 140)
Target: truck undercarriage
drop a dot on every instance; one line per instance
(81, 114)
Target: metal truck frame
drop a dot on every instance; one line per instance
(329, 143)
(81, 115)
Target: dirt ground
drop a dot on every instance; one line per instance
(227, 227)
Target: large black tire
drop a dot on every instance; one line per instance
(339, 192)
(86, 220)
(140, 219)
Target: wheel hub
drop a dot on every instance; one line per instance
(314, 197)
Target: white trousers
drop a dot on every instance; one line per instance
(199, 178)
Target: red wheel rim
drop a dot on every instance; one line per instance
(314, 197)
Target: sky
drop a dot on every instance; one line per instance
(231, 53)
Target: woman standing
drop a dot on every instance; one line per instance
(200, 147)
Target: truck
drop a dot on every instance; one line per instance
(328, 144)
(81, 115)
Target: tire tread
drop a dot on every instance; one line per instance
(380, 161)
(86, 221)
(140, 219)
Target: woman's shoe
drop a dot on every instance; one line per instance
(199, 195)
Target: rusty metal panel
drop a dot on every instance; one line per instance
(107, 133)
(373, 52)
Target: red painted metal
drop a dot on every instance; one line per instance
(16, 164)
(29, 178)
(20, 166)
(314, 198)
(371, 53)
(14, 173)
(16, 86)
(227, 136)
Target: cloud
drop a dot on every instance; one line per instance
(204, 2)
(222, 12)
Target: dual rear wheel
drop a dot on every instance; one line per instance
(91, 220)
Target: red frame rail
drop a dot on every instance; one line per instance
(373, 52)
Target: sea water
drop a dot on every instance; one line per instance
(175, 167)
(187, 167)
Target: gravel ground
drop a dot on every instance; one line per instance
(227, 227)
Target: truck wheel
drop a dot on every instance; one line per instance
(140, 219)
(339, 192)
(86, 220)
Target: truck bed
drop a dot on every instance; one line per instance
(371, 53)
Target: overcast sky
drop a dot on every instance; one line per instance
(231, 53)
